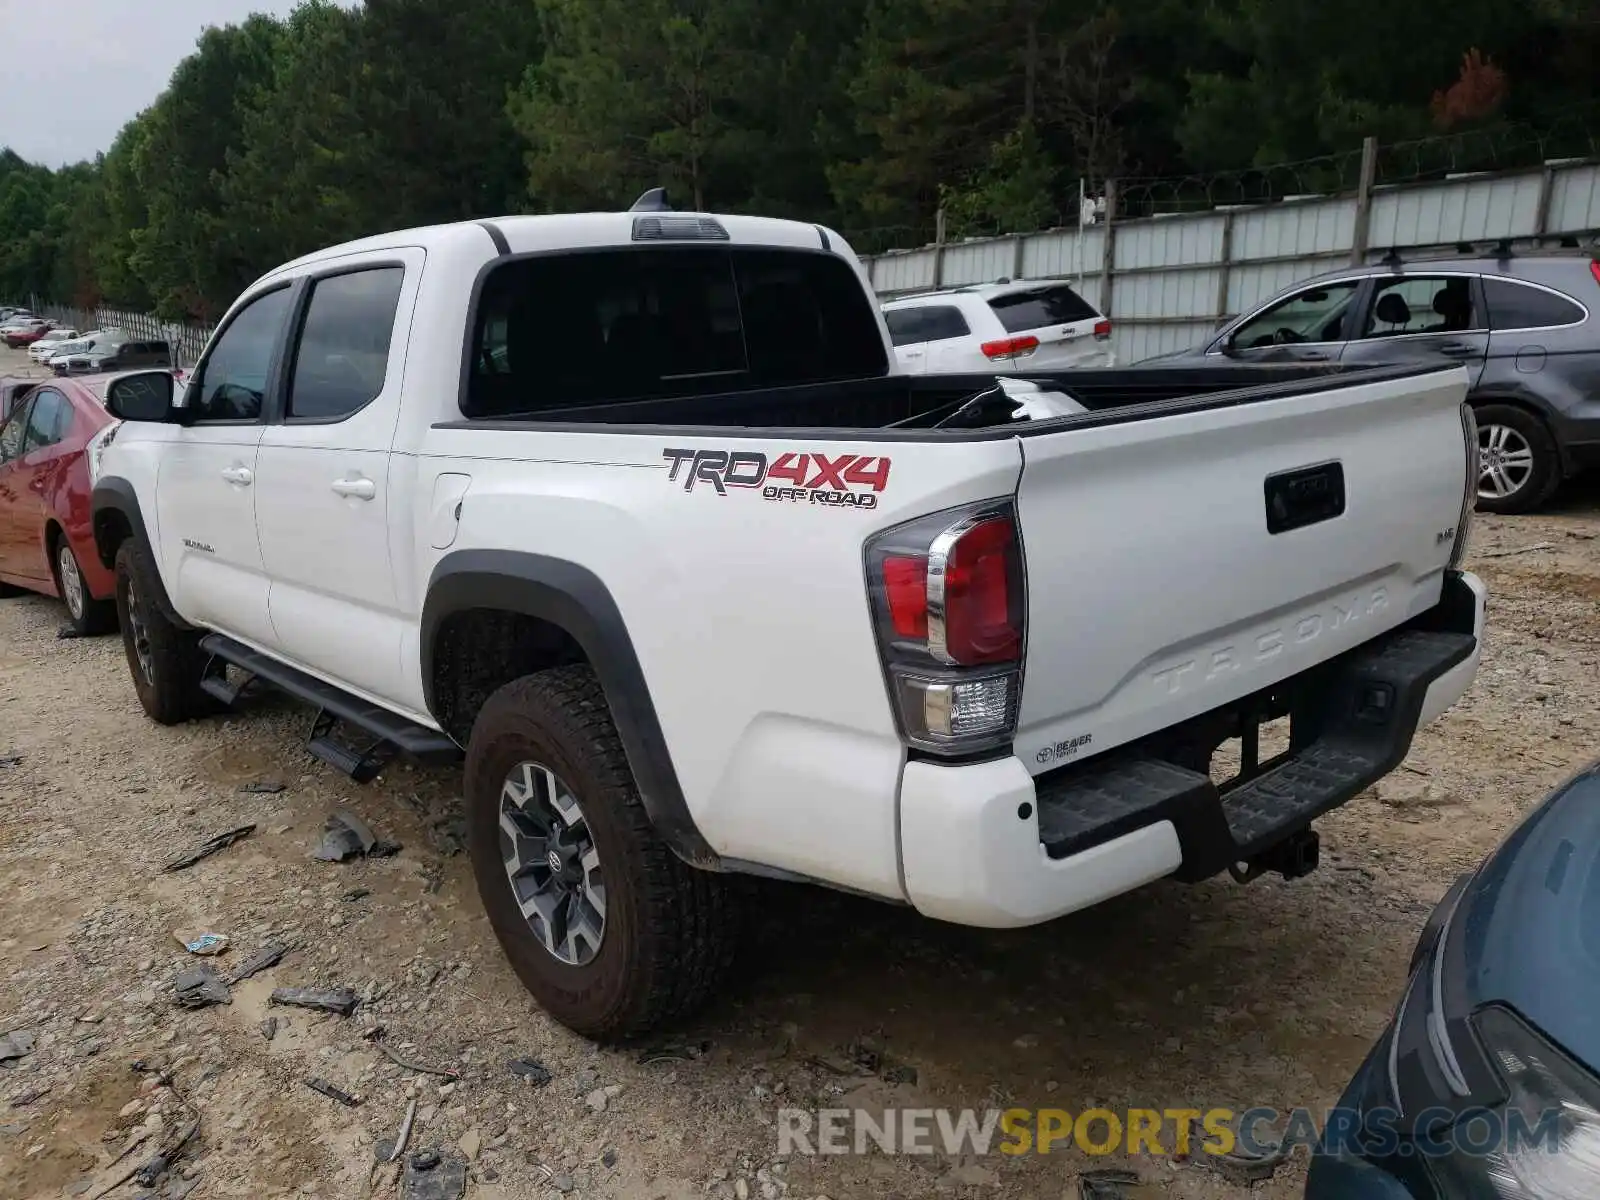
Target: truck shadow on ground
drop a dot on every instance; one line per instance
(1274, 990)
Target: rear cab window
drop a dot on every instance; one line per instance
(1037, 308)
(571, 330)
(919, 323)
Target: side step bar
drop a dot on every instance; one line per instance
(389, 733)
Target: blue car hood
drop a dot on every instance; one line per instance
(1530, 921)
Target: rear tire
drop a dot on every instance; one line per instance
(545, 746)
(1518, 465)
(166, 662)
(90, 617)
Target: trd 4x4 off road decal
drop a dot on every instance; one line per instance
(804, 478)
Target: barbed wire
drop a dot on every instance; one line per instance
(1502, 145)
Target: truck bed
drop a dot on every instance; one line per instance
(910, 405)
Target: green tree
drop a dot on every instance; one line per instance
(631, 94)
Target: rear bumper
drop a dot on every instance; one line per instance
(987, 844)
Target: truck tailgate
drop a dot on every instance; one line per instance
(1179, 562)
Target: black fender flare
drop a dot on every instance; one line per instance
(117, 495)
(574, 599)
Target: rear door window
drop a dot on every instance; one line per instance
(579, 329)
(925, 323)
(1036, 308)
(342, 358)
(47, 420)
(13, 431)
(1422, 304)
(1515, 305)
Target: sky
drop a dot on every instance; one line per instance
(77, 72)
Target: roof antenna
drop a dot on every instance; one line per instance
(655, 200)
(1392, 259)
(1502, 249)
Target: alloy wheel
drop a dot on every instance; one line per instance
(139, 635)
(552, 864)
(1505, 462)
(71, 583)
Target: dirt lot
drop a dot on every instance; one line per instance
(1217, 995)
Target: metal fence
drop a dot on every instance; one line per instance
(1166, 281)
(187, 341)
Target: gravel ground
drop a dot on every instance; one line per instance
(1216, 995)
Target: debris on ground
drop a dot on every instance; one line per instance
(10, 760)
(200, 987)
(346, 836)
(672, 1052)
(387, 1151)
(531, 1069)
(377, 1040)
(28, 1095)
(1536, 546)
(209, 847)
(204, 944)
(448, 836)
(269, 1028)
(262, 787)
(16, 1044)
(355, 894)
(268, 956)
(430, 1175)
(1108, 1183)
(1242, 1170)
(333, 1093)
(335, 1000)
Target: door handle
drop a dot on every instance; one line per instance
(243, 476)
(358, 489)
(1456, 349)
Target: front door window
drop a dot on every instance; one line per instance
(1316, 314)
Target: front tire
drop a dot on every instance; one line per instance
(1518, 466)
(90, 617)
(604, 925)
(166, 661)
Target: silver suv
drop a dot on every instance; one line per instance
(1522, 325)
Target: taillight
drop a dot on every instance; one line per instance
(1102, 331)
(950, 606)
(1594, 268)
(971, 619)
(1017, 347)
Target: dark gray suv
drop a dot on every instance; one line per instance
(1521, 325)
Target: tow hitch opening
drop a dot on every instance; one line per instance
(1294, 858)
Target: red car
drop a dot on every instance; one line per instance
(30, 334)
(46, 539)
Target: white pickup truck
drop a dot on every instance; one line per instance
(634, 510)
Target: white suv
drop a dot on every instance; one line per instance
(1034, 325)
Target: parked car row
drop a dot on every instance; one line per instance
(69, 351)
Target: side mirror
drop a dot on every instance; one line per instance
(146, 396)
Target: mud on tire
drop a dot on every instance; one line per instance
(669, 930)
(165, 661)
